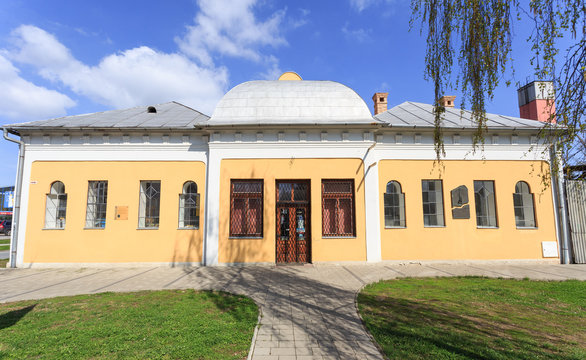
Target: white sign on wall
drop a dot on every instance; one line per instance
(550, 249)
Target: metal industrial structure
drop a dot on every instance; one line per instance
(6, 202)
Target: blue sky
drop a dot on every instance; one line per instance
(71, 57)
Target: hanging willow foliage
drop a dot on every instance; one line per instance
(476, 34)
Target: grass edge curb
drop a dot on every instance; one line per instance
(255, 333)
(372, 339)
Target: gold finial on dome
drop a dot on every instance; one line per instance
(290, 75)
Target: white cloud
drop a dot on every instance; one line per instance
(35, 46)
(133, 77)
(22, 100)
(301, 21)
(229, 27)
(273, 69)
(143, 75)
(362, 4)
(359, 35)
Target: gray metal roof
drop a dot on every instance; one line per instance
(293, 102)
(412, 114)
(278, 103)
(170, 115)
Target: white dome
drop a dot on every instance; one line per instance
(291, 102)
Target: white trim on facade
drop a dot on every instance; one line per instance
(274, 145)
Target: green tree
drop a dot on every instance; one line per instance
(472, 40)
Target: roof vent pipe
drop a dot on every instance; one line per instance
(152, 110)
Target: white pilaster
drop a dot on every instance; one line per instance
(371, 199)
(212, 209)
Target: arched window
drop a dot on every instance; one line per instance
(524, 206)
(56, 206)
(189, 206)
(394, 205)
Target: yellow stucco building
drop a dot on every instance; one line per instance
(287, 171)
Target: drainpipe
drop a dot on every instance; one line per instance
(562, 211)
(206, 222)
(556, 207)
(17, 193)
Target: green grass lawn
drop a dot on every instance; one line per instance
(4, 241)
(472, 318)
(171, 324)
(4, 247)
(3, 263)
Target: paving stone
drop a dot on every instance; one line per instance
(325, 351)
(286, 332)
(267, 344)
(283, 351)
(303, 351)
(331, 357)
(306, 343)
(287, 357)
(262, 351)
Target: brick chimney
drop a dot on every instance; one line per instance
(447, 101)
(537, 101)
(380, 102)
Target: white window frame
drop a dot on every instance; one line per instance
(485, 205)
(394, 200)
(148, 214)
(56, 206)
(437, 201)
(97, 201)
(188, 205)
(526, 201)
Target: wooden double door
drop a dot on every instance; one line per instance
(293, 222)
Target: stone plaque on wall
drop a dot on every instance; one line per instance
(461, 212)
(460, 207)
(121, 213)
(459, 196)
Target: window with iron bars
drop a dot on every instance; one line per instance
(97, 194)
(148, 209)
(246, 207)
(338, 208)
(56, 206)
(189, 206)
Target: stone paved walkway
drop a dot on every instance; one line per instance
(308, 312)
